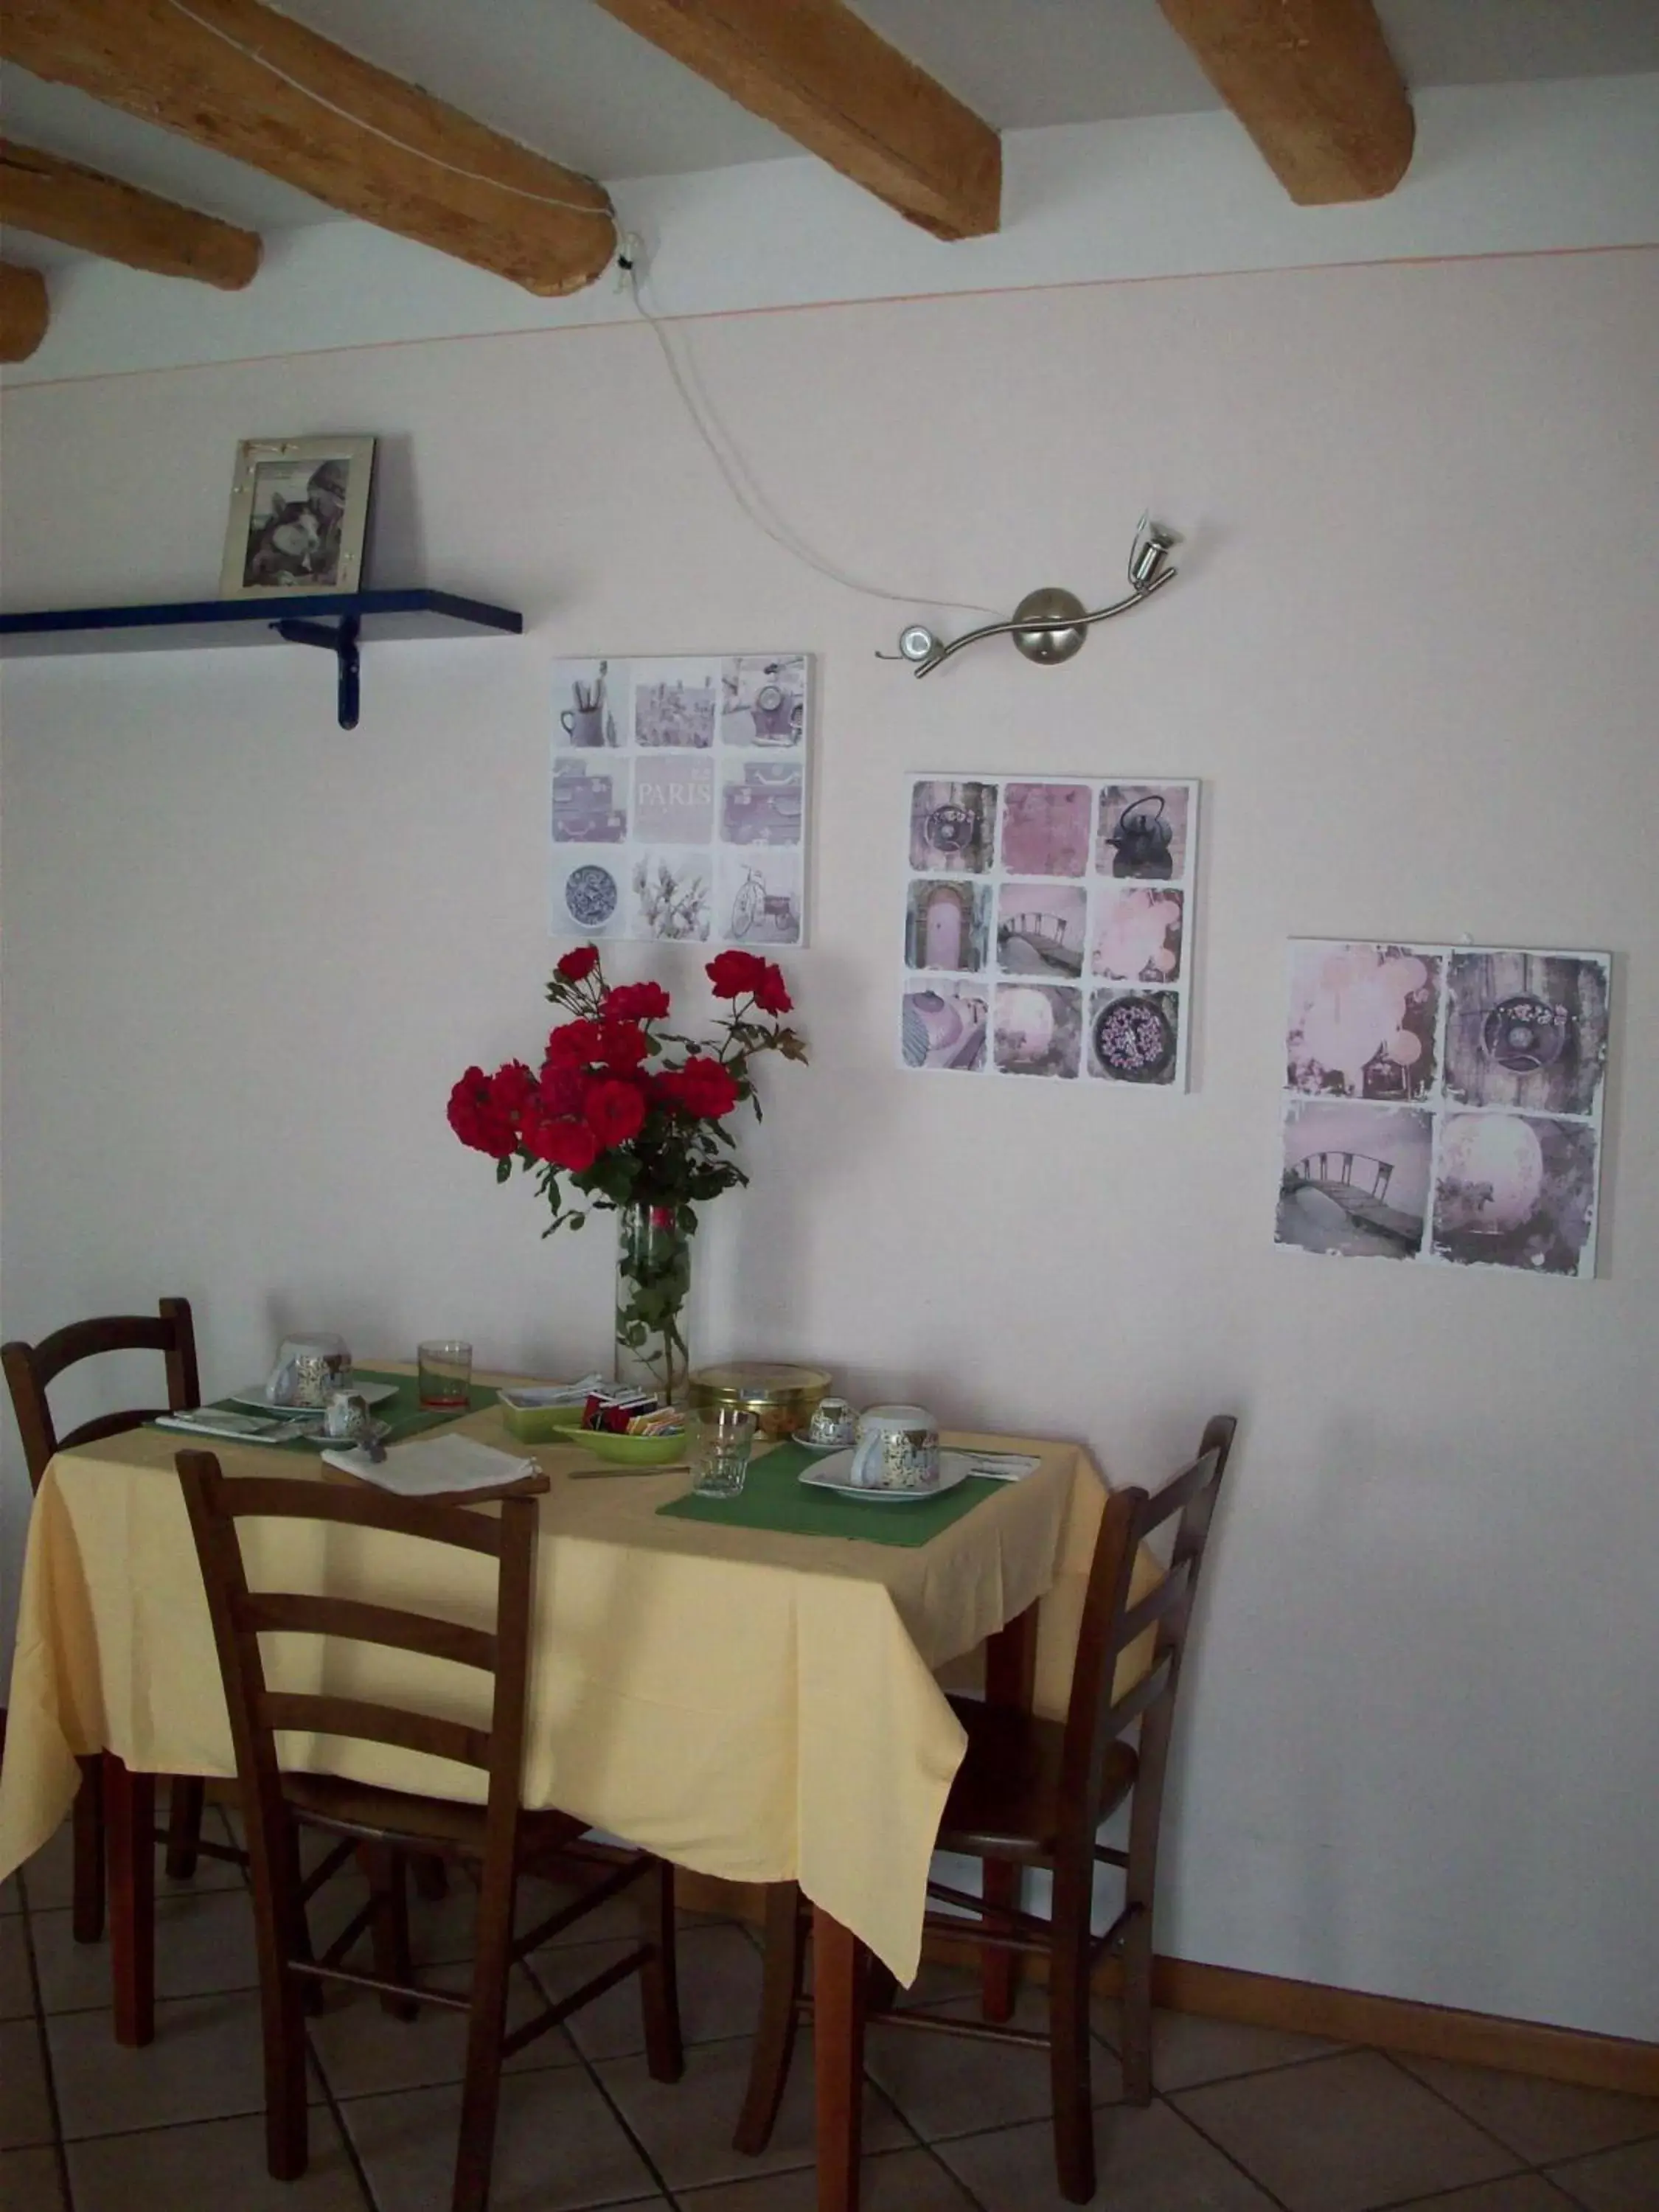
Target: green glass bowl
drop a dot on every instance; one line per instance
(539, 1425)
(629, 1451)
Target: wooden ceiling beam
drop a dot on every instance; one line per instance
(236, 77)
(820, 73)
(59, 199)
(23, 310)
(1315, 85)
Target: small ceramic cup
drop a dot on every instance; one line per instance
(834, 1425)
(897, 1449)
(345, 1417)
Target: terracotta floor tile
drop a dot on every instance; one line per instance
(25, 2107)
(1148, 2161)
(1623, 2180)
(558, 2146)
(720, 1984)
(686, 2125)
(1544, 2121)
(363, 2052)
(948, 2086)
(29, 2181)
(1516, 2192)
(1188, 2049)
(1344, 2134)
(212, 2168)
(204, 1945)
(204, 2064)
(896, 2181)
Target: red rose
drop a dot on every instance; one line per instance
(621, 1046)
(477, 1119)
(736, 974)
(509, 1087)
(562, 1142)
(572, 1044)
(614, 1112)
(702, 1087)
(634, 1002)
(771, 994)
(562, 1089)
(578, 964)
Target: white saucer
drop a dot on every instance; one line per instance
(254, 1394)
(807, 1444)
(832, 1473)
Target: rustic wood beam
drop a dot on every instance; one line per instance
(820, 73)
(1315, 85)
(59, 199)
(237, 76)
(23, 310)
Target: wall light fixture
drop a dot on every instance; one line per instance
(1049, 625)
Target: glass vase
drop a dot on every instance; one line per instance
(654, 1299)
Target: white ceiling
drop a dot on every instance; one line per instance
(566, 78)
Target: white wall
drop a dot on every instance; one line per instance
(1413, 655)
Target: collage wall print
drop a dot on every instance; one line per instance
(1443, 1103)
(680, 798)
(1047, 926)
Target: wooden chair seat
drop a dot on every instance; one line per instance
(1006, 1800)
(1032, 1793)
(442, 1826)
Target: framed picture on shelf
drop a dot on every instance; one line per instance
(298, 512)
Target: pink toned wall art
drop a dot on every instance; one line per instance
(1444, 1104)
(1047, 927)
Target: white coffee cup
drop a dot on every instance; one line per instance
(897, 1448)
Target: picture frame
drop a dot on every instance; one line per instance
(299, 515)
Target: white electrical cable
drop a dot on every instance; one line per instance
(727, 459)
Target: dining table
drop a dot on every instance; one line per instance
(749, 1688)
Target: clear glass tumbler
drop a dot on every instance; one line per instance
(445, 1367)
(719, 1440)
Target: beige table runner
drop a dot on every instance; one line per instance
(753, 1705)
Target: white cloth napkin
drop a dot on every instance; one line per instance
(1000, 1466)
(437, 1464)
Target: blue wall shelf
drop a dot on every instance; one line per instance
(339, 622)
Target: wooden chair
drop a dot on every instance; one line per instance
(30, 1369)
(1033, 1793)
(501, 1837)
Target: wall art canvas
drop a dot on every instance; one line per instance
(1046, 928)
(1442, 1103)
(679, 796)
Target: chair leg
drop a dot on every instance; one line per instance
(1068, 2036)
(774, 2037)
(282, 1934)
(184, 1826)
(130, 1811)
(660, 1998)
(998, 1971)
(89, 1879)
(486, 2024)
(383, 1869)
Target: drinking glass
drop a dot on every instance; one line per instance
(719, 1439)
(445, 1374)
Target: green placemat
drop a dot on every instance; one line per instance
(775, 1497)
(405, 1412)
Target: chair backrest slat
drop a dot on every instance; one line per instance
(1111, 1624)
(31, 1368)
(306, 1714)
(300, 1613)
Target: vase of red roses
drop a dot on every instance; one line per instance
(626, 1116)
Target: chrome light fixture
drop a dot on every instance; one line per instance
(1049, 625)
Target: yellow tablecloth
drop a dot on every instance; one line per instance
(753, 1705)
